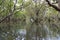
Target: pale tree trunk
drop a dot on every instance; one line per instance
(58, 7)
(58, 3)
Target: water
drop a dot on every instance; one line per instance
(23, 31)
(50, 33)
(22, 34)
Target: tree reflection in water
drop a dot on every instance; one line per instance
(23, 37)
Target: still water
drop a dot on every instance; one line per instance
(23, 33)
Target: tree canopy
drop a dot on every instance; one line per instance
(29, 19)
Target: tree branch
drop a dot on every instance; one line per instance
(55, 7)
(12, 12)
(5, 18)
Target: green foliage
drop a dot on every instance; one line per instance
(21, 18)
(51, 12)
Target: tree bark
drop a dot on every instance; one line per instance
(54, 6)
